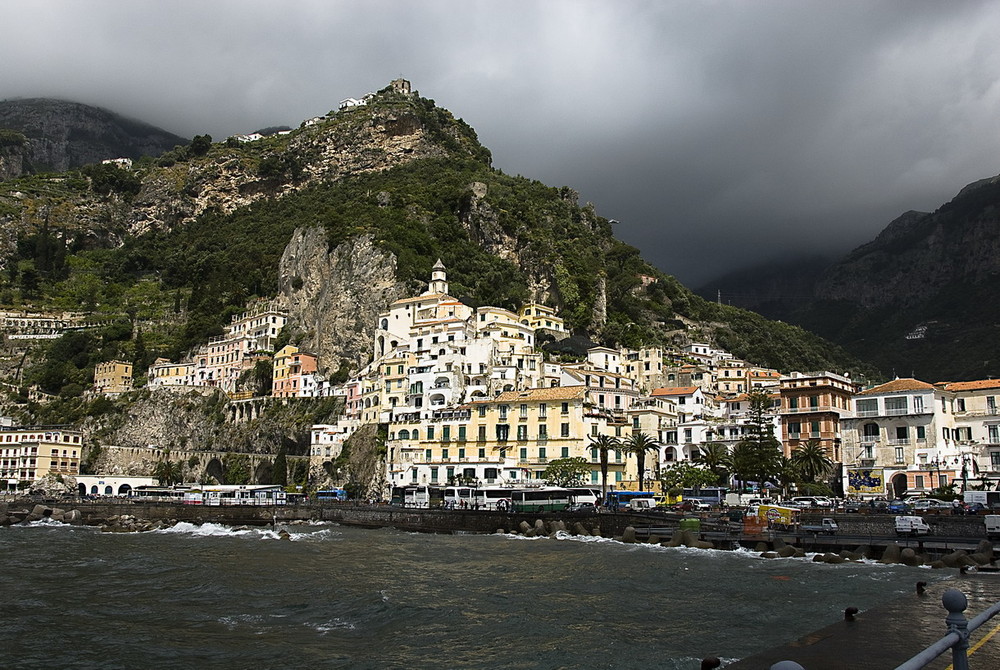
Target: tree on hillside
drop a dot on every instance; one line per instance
(566, 472)
(638, 444)
(604, 444)
(279, 474)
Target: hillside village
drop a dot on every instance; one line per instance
(484, 395)
(467, 395)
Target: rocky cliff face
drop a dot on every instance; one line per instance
(334, 296)
(63, 135)
(919, 254)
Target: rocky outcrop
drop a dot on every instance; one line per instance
(63, 135)
(334, 296)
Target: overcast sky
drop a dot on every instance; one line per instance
(720, 134)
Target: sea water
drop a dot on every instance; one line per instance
(213, 596)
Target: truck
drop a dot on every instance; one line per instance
(642, 504)
(988, 499)
(911, 525)
(781, 518)
(827, 525)
(992, 526)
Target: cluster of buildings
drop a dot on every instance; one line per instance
(465, 394)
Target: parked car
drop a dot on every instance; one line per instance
(897, 507)
(586, 507)
(854, 506)
(930, 505)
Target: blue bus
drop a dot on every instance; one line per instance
(620, 499)
(713, 495)
(335, 495)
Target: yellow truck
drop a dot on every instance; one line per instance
(780, 518)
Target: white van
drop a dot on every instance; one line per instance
(642, 503)
(992, 526)
(911, 525)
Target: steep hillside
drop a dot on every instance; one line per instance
(917, 300)
(337, 217)
(61, 135)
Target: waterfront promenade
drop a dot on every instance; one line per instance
(888, 635)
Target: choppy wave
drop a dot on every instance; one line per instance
(221, 530)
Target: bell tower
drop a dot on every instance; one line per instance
(439, 279)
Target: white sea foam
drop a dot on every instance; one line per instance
(334, 624)
(45, 523)
(220, 530)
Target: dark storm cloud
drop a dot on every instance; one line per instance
(720, 134)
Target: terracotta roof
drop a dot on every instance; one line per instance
(897, 385)
(977, 385)
(553, 393)
(679, 390)
(418, 298)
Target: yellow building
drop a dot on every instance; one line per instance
(28, 454)
(510, 439)
(540, 317)
(113, 377)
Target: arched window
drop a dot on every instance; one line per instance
(385, 324)
(670, 454)
(416, 434)
(870, 432)
(404, 434)
(93, 490)
(108, 491)
(124, 490)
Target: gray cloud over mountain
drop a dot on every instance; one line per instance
(720, 134)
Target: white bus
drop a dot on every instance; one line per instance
(459, 497)
(236, 494)
(542, 499)
(584, 495)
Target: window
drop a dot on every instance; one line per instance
(794, 429)
(991, 404)
(434, 474)
(522, 433)
(445, 433)
(899, 454)
(793, 403)
(503, 412)
(427, 454)
(482, 453)
(896, 405)
(918, 404)
(921, 433)
(542, 411)
(995, 460)
(524, 453)
(868, 451)
(482, 434)
(814, 401)
(430, 432)
(814, 429)
(993, 431)
(565, 408)
(503, 432)
(444, 454)
(867, 406)
(635, 423)
(461, 453)
(564, 453)
(902, 433)
(541, 452)
(482, 410)
(461, 433)
(618, 455)
(524, 411)
(564, 430)
(918, 481)
(543, 432)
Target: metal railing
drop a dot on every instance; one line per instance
(957, 638)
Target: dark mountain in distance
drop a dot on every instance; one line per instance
(919, 299)
(61, 135)
(775, 290)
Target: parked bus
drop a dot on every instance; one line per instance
(542, 499)
(331, 495)
(417, 496)
(158, 494)
(621, 499)
(459, 497)
(585, 495)
(713, 495)
(225, 495)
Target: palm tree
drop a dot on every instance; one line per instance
(811, 460)
(637, 444)
(715, 457)
(788, 473)
(604, 444)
